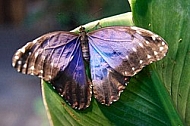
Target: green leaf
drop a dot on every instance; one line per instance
(171, 20)
(121, 19)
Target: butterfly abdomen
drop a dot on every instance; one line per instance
(84, 44)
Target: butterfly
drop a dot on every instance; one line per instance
(112, 54)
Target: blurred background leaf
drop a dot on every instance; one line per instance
(70, 14)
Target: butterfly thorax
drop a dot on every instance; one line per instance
(84, 44)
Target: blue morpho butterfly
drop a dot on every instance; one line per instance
(114, 54)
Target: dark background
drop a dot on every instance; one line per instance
(24, 20)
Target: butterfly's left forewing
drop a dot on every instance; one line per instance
(43, 57)
(122, 52)
(57, 58)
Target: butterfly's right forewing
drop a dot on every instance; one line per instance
(43, 57)
(57, 58)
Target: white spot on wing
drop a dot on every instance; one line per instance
(161, 48)
(36, 40)
(16, 57)
(141, 45)
(19, 62)
(25, 65)
(134, 49)
(163, 43)
(32, 68)
(40, 76)
(18, 70)
(41, 71)
(158, 58)
(154, 36)
(148, 56)
(133, 68)
(52, 64)
(36, 55)
(13, 64)
(125, 72)
(140, 61)
(155, 53)
(22, 50)
(139, 32)
(134, 28)
(147, 42)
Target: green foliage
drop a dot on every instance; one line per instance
(71, 13)
(82, 11)
(170, 19)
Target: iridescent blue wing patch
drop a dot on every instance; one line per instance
(57, 58)
(107, 83)
(72, 82)
(122, 52)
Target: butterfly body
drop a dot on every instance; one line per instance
(84, 44)
(114, 54)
